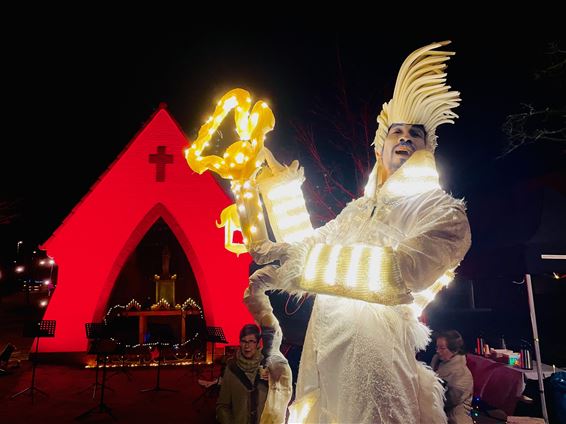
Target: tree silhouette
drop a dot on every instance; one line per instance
(537, 124)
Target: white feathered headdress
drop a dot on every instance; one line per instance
(421, 96)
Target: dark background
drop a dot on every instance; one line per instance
(78, 92)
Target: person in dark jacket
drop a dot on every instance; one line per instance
(243, 389)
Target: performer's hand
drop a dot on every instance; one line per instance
(263, 373)
(267, 251)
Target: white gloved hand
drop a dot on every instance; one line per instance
(266, 251)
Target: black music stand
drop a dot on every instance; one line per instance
(119, 330)
(95, 332)
(160, 335)
(214, 335)
(36, 329)
(103, 346)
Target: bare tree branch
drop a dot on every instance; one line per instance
(534, 125)
(540, 124)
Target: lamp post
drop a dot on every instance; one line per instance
(535, 335)
(18, 249)
(51, 263)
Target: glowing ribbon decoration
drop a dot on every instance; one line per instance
(240, 162)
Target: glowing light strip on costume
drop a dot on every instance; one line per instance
(375, 259)
(408, 188)
(368, 273)
(414, 180)
(289, 205)
(351, 277)
(287, 221)
(332, 265)
(312, 261)
(285, 190)
(288, 214)
(420, 172)
(423, 298)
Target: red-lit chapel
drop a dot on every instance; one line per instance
(109, 247)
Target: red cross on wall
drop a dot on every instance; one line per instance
(160, 159)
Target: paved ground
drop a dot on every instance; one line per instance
(68, 386)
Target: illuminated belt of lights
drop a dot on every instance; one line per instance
(363, 272)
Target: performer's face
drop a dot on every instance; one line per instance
(249, 346)
(401, 142)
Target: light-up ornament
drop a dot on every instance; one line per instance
(239, 163)
(230, 220)
(280, 187)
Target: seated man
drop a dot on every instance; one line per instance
(450, 365)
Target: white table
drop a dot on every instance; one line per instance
(547, 371)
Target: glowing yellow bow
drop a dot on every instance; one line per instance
(240, 163)
(241, 159)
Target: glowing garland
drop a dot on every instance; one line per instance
(241, 160)
(187, 304)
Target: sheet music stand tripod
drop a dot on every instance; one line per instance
(95, 332)
(214, 335)
(103, 345)
(36, 329)
(161, 337)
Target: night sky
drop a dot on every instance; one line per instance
(78, 95)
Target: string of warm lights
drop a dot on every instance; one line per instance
(133, 304)
(162, 305)
(240, 163)
(187, 304)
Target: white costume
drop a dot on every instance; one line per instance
(358, 359)
(373, 268)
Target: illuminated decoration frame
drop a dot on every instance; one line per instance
(242, 163)
(93, 243)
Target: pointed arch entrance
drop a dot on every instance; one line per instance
(94, 242)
